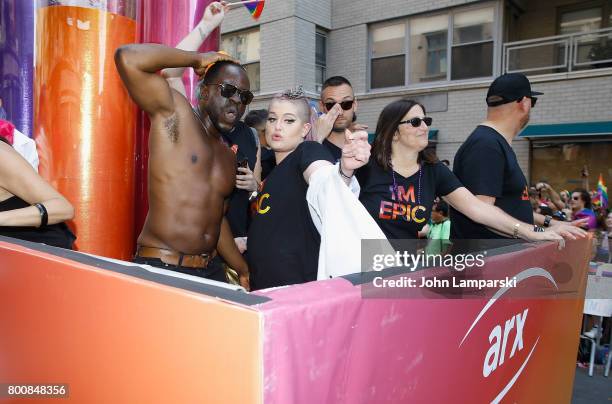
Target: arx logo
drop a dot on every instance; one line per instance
(497, 352)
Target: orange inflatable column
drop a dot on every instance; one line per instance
(85, 120)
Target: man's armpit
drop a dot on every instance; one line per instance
(170, 125)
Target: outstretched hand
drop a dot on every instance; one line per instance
(214, 14)
(355, 152)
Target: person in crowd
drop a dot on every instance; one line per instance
(401, 180)
(550, 196)
(256, 119)
(283, 242)
(30, 208)
(487, 165)
(582, 209)
(239, 138)
(438, 230)
(339, 105)
(20, 142)
(192, 171)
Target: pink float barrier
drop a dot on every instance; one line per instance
(326, 343)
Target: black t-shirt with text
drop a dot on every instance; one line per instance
(486, 165)
(335, 151)
(401, 212)
(242, 142)
(283, 242)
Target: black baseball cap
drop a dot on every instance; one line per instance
(509, 87)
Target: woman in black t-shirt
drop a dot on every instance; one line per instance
(402, 179)
(30, 209)
(283, 242)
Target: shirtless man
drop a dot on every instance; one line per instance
(191, 171)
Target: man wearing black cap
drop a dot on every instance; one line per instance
(486, 164)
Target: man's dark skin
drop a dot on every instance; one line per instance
(191, 171)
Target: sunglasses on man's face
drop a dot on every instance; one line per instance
(345, 105)
(228, 91)
(416, 122)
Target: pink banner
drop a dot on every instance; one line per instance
(327, 343)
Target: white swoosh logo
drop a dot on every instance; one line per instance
(515, 377)
(521, 276)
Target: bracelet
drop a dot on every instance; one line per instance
(547, 220)
(44, 217)
(515, 233)
(341, 173)
(538, 229)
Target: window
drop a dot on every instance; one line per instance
(591, 50)
(573, 22)
(388, 56)
(320, 59)
(428, 43)
(456, 45)
(244, 46)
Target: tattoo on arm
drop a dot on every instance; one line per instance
(171, 127)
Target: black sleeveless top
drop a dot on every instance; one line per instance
(57, 235)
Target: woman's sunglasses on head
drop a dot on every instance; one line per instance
(416, 122)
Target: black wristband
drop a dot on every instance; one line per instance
(341, 173)
(547, 220)
(44, 217)
(538, 229)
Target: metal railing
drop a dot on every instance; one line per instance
(561, 53)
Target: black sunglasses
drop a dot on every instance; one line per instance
(345, 105)
(228, 91)
(416, 122)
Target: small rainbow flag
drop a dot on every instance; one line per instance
(602, 192)
(255, 7)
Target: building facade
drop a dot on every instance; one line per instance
(445, 53)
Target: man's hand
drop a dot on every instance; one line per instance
(208, 58)
(567, 231)
(247, 180)
(244, 281)
(325, 123)
(214, 14)
(356, 151)
(579, 223)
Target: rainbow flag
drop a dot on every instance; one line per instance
(255, 7)
(602, 192)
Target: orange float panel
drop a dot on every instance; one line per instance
(85, 123)
(114, 338)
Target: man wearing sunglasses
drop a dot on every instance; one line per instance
(239, 137)
(487, 165)
(339, 106)
(192, 172)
